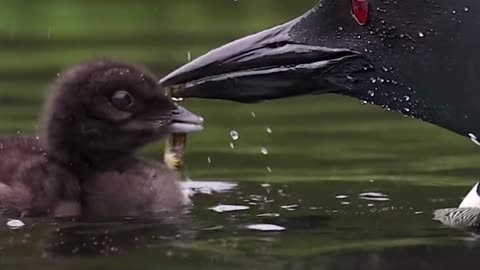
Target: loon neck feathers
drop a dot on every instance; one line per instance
(472, 200)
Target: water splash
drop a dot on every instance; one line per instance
(290, 207)
(266, 228)
(374, 196)
(15, 224)
(274, 215)
(223, 208)
(207, 187)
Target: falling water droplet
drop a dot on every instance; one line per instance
(253, 115)
(269, 130)
(189, 56)
(264, 151)
(421, 34)
(209, 159)
(232, 145)
(269, 169)
(234, 135)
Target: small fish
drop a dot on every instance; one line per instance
(175, 151)
(176, 143)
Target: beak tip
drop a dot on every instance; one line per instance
(162, 81)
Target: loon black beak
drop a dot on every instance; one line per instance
(263, 66)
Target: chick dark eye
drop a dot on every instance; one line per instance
(122, 100)
(360, 11)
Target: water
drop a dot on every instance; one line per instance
(344, 186)
(320, 231)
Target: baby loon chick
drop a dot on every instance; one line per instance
(96, 115)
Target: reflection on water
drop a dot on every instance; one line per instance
(286, 226)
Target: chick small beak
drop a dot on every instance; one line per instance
(184, 121)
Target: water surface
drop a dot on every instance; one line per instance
(325, 226)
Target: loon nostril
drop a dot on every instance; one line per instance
(176, 112)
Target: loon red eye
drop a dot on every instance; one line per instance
(360, 11)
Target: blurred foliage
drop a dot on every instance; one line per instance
(47, 35)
